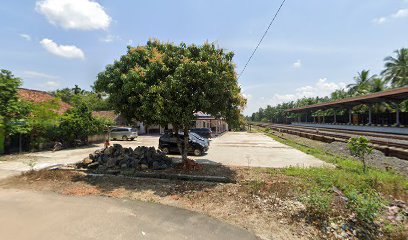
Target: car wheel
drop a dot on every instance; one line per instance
(198, 152)
(165, 150)
(124, 138)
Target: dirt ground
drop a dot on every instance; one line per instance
(270, 216)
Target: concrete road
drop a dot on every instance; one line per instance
(30, 215)
(232, 148)
(256, 150)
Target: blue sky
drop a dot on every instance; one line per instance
(313, 47)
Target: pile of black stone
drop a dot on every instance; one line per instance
(118, 158)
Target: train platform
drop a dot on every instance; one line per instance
(378, 129)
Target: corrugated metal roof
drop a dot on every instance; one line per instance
(397, 94)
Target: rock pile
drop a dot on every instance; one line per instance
(118, 158)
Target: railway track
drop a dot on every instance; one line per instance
(382, 142)
(351, 132)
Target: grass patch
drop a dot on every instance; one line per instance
(366, 193)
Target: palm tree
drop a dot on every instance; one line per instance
(396, 69)
(377, 85)
(339, 94)
(362, 84)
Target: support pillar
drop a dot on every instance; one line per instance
(324, 120)
(369, 115)
(350, 110)
(334, 116)
(306, 118)
(397, 117)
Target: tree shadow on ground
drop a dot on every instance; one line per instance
(107, 184)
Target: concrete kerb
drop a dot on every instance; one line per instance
(163, 176)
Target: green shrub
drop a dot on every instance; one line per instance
(317, 203)
(256, 186)
(365, 205)
(359, 147)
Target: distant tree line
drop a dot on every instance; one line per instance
(77, 96)
(394, 75)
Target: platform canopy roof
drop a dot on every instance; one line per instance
(393, 95)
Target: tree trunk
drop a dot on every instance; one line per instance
(179, 143)
(364, 165)
(185, 147)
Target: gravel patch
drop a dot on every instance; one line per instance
(376, 159)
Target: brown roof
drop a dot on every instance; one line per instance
(37, 96)
(396, 94)
(105, 114)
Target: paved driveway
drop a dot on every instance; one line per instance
(232, 148)
(255, 150)
(29, 215)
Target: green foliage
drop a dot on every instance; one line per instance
(366, 192)
(256, 186)
(12, 111)
(359, 147)
(317, 203)
(162, 83)
(396, 69)
(77, 96)
(362, 84)
(42, 122)
(365, 205)
(77, 124)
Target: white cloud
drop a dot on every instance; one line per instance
(67, 51)
(380, 20)
(130, 42)
(74, 14)
(25, 36)
(34, 74)
(322, 88)
(247, 96)
(51, 84)
(297, 64)
(110, 38)
(401, 13)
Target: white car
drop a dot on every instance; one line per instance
(123, 133)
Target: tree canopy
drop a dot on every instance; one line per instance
(162, 83)
(77, 96)
(396, 68)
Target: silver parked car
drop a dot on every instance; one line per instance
(124, 133)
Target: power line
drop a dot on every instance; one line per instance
(263, 36)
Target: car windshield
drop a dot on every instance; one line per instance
(195, 135)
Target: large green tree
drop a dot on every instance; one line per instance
(396, 68)
(163, 83)
(12, 111)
